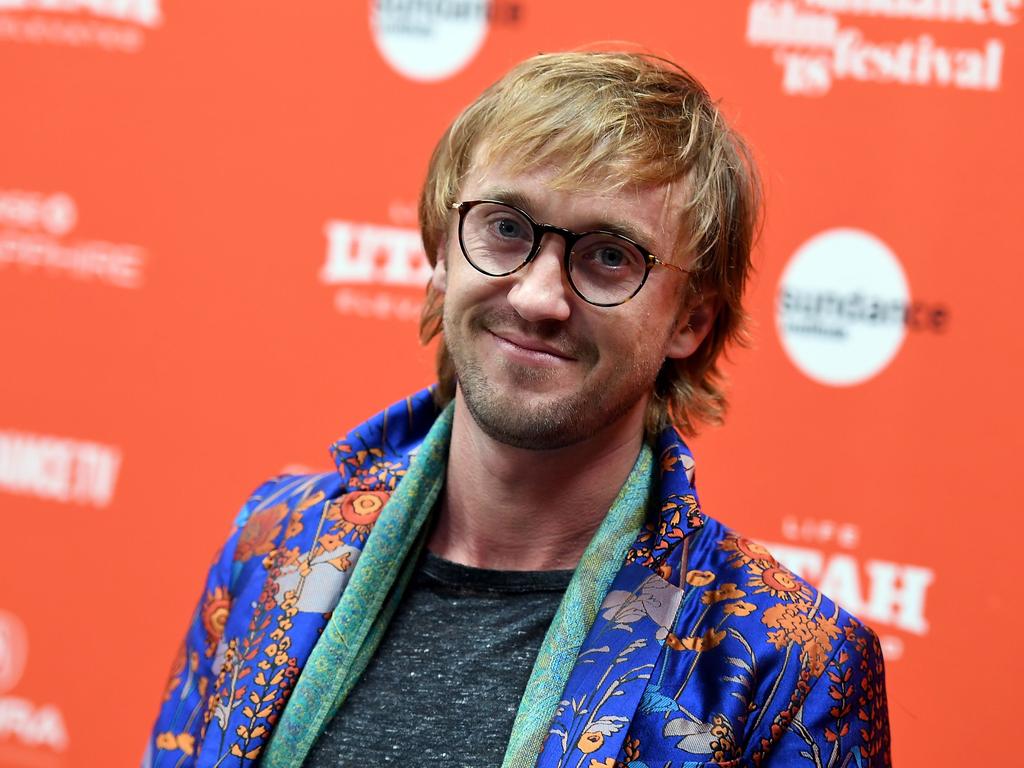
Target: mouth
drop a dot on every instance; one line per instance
(531, 347)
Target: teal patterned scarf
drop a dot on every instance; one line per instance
(371, 597)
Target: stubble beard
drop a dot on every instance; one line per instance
(558, 421)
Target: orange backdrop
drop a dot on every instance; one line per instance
(209, 270)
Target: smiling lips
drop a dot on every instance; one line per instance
(530, 344)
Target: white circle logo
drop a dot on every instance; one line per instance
(429, 40)
(13, 650)
(842, 306)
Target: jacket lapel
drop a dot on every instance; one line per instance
(609, 679)
(612, 670)
(296, 555)
(367, 602)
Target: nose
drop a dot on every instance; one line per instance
(540, 291)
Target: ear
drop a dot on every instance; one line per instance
(439, 278)
(692, 328)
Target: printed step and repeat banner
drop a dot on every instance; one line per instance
(210, 269)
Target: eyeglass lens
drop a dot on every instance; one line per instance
(603, 268)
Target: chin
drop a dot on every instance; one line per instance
(524, 419)
(535, 434)
(540, 421)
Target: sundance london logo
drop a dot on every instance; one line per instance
(431, 40)
(844, 307)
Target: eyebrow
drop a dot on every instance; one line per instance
(524, 201)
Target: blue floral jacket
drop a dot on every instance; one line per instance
(679, 644)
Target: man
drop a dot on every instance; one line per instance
(513, 567)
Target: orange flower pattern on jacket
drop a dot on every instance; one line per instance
(777, 581)
(214, 615)
(813, 642)
(354, 514)
(727, 591)
(710, 639)
(699, 578)
(260, 532)
(746, 551)
(590, 742)
(295, 526)
(362, 507)
(739, 608)
(795, 625)
(174, 679)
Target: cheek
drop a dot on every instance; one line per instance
(639, 341)
(468, 288)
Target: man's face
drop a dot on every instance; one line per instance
(537, 366)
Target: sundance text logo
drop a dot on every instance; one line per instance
(815, 47)
(844, 307)
(434, 39)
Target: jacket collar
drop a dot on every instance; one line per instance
(396, 433)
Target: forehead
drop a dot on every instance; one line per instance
(651, 214)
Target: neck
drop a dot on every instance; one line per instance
(508, 508)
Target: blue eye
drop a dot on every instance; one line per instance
(611, 257)
(508, 228)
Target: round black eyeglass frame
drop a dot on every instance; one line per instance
(570, 237)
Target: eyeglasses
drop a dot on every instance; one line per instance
(604, 269)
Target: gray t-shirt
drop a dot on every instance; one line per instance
(445, 683)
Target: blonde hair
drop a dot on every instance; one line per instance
(610, 120)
